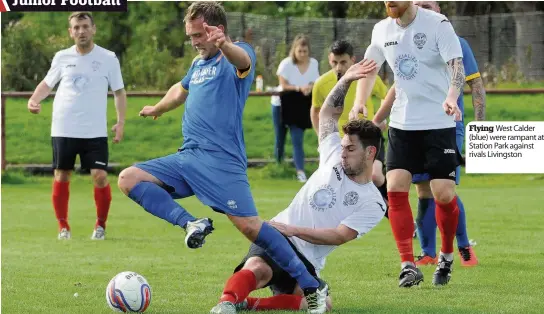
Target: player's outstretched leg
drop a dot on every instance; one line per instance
(278, 249)
(148, 189)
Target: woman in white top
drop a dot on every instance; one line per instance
(298, 72)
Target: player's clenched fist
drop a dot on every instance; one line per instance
(34, 107)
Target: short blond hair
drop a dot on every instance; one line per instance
(213, 13)
(81, 16)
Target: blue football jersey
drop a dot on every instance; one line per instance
(471, 70)
(215, 104)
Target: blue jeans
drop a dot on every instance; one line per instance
(297, 137)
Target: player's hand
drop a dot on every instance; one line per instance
(150, 111)
(34, 107)
(359, 70)
(286, 230)
(354, 112)
(451, 108)
(119, 130)
(215, 35)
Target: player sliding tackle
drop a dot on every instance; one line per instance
(339, 203)
(212, 163)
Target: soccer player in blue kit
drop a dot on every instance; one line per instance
(426, 221)
(212, 162)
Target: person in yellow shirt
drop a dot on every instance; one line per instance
(340, 59)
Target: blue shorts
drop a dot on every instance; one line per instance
(214, 177)
(459, 138)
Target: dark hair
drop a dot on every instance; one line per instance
(300, 40)
(213, 13)
(81, 16)
(369, 134)
(341, 47)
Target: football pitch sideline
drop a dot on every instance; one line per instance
(41, 274)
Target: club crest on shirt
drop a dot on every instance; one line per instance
(79, 82)
(406, 66)
(351, 198)
(420, 39)
(324, 198)
(96, 65)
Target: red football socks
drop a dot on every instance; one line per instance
(239, 286)
(447, 217)
(402, 224)
(59, 197)
(102, 199)
(278, 302)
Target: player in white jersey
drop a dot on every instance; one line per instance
(79, 124)
(423, 50)
(339, 203)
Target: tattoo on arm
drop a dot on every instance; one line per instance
(332, 109)
(327, 127)
(478, 98)
(457, 73)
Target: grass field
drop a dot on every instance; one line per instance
(41, 274)
(28, 136)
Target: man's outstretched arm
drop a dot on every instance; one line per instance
(332, 109)
(334, 103)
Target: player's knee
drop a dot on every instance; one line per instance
(248, 226)
(399, 180)
(443, 190)
(62, 175)
(261, 270)
(128, 178)
(378, 178)
(100, 178)
(377, 173)
(423, 190)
